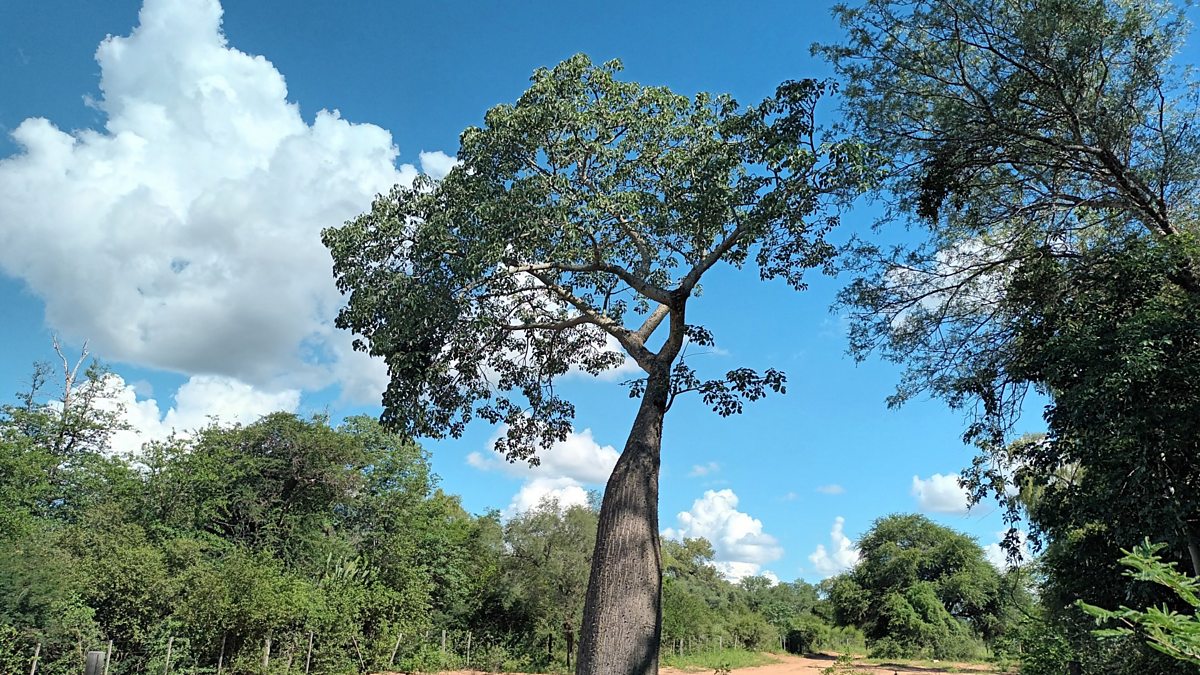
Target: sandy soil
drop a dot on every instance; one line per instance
(796, 665)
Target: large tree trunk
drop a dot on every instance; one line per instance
(1193, 544)
(622, 615)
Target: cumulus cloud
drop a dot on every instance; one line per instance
(580, 457)
(704, 469)
(563, 471)
(996, 554)
(831, 489)
(437, 164)
(740, 546)
(200, 401)
(185, 234)
(940, 494)
(566, 491)
(840, 556)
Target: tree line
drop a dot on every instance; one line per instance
(296, 545)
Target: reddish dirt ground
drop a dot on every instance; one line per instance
(796, 665)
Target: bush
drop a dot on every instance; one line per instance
(845, 640)
(753, 632)
(805, 634)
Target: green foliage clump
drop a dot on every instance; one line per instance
(920, 589)
(1175, 634)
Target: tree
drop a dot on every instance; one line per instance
(1018, 130)
(546, 563)
(919, 589)
(1049, 151)
(584, 215)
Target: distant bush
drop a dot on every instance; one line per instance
(845, 640)
(753, 632)
(806, 634)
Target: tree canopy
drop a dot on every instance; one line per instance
(1048, 150)
(919, 589)
(577, 221)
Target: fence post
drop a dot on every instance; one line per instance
(266, 658)
(443, 642)
(308, 657)
(167, 665)
(361, 663)
(107, 657)
(94, 663)
(468, 664)
(221, 656)
(395, 648)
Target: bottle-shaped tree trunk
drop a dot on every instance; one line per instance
(623, 609)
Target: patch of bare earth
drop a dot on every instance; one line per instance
(813, 665)
(803, 665)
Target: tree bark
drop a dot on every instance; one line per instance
(623, 608)
(1192, 546)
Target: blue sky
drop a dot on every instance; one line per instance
(162, 197)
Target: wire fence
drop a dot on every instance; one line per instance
(294, 653)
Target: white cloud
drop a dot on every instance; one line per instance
(533, 492)
(565, 468)
(842, 554)
(940, 494)
(831, 489)
(185, 235)
(964, 274)
(790, 497)
(580, 457)
(704, 469)
(740, 546)
(996, 554)
(198, 402)
(437, 164)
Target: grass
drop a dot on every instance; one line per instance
(718, 658)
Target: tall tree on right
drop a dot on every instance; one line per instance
(1048, 152)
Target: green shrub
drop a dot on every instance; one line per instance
(806, 634)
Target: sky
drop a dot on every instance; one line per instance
(166, 170)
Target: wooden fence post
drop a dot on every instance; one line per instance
(94, 663)
(395, 648)
(167, 665)
(443, 642)
(308, 657)
(468, 664)
(36, 652)
(266, 658)
(107, 657)
(221, 656)
(361, 663)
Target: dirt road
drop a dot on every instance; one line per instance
(796, 665)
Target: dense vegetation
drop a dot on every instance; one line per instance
(1047, 153)
(237, 545)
